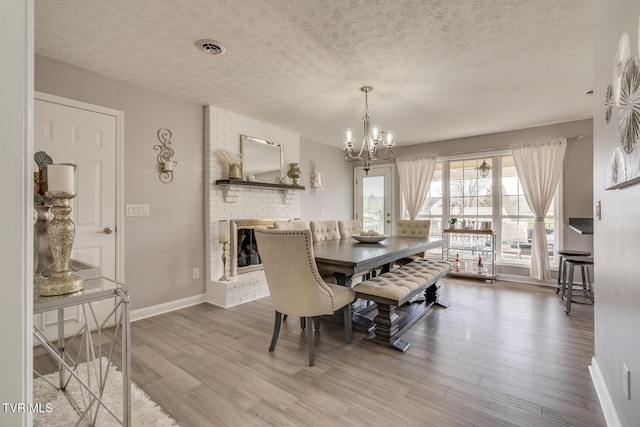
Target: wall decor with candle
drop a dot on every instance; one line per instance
(315, 178)
(165, 156)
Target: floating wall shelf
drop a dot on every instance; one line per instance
(233, 189)
(258, 184)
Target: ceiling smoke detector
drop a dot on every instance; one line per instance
(211, 47)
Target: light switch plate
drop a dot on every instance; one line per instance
(137, 210)
(597, 210)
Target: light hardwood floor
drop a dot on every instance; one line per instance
(502, 354)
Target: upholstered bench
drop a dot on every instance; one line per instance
(397, 287)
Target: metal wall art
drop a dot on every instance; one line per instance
(623, 122)
(165, 155)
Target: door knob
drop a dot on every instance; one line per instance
(388, 221)
(107, 230)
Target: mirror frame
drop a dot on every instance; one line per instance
(245, 145)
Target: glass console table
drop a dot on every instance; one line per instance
(92, 347)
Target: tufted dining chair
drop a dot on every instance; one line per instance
(324, 230)
(347, 228)
(289, 225)
(295, 285)
(412, 228)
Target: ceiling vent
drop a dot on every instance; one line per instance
(211, 47)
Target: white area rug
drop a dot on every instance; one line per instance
(144, 412)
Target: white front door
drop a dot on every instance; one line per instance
(73, 132)
(374, 198)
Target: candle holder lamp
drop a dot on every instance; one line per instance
(61, 232)
(223, 237)
(165, 156)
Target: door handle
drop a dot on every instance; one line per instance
(107, 230)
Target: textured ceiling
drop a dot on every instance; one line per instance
(440, 69)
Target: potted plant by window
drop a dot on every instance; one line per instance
(452, 223)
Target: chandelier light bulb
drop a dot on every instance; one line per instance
(388, 139)
(349, 137)
(375, 133)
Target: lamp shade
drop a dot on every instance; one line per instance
(349, 137)
(388, 139)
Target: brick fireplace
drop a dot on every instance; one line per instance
(240, 203)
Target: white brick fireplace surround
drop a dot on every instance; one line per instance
(223, 130)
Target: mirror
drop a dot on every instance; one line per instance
(262, 160)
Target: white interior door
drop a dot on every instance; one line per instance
(88, 138)
(374, 198)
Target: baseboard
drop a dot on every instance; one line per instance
(525, 280)
(166, 307)
(608, 410)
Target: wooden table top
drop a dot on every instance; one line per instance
(351, 257)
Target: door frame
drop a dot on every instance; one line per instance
(357, 171)
(119, 133)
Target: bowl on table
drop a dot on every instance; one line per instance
(369, 239)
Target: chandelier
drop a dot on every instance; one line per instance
(370, 143)
(484, 168)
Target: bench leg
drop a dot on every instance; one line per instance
(387, 329)
(432, 295)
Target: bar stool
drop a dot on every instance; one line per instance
(585, 264)
(561, 270)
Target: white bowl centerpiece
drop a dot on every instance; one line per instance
(370, 236)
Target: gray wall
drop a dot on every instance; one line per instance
(160, 250)
(335, 200)
(16, 187)
(577, 185)
(617, 235)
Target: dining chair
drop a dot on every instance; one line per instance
(412, 228)
(295, 285)
(347, 228)
(324, 230)
(289, 225)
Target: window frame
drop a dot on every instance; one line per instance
(497, 217)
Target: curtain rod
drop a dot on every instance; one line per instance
(498, 149)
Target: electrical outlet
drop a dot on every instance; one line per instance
(626, 381)
(196, 273)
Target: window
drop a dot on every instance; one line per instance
(498, 198)
(470, 194)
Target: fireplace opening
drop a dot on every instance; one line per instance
(245, 256)
(247, 251)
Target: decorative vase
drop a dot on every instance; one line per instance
(294, 172)
(42, 256)
(234, 171)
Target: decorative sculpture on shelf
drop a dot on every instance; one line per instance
(232, 161)
(294, 172)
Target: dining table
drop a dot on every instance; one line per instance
(349, 258)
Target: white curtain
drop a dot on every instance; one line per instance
(539, 166)
(415, 178)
